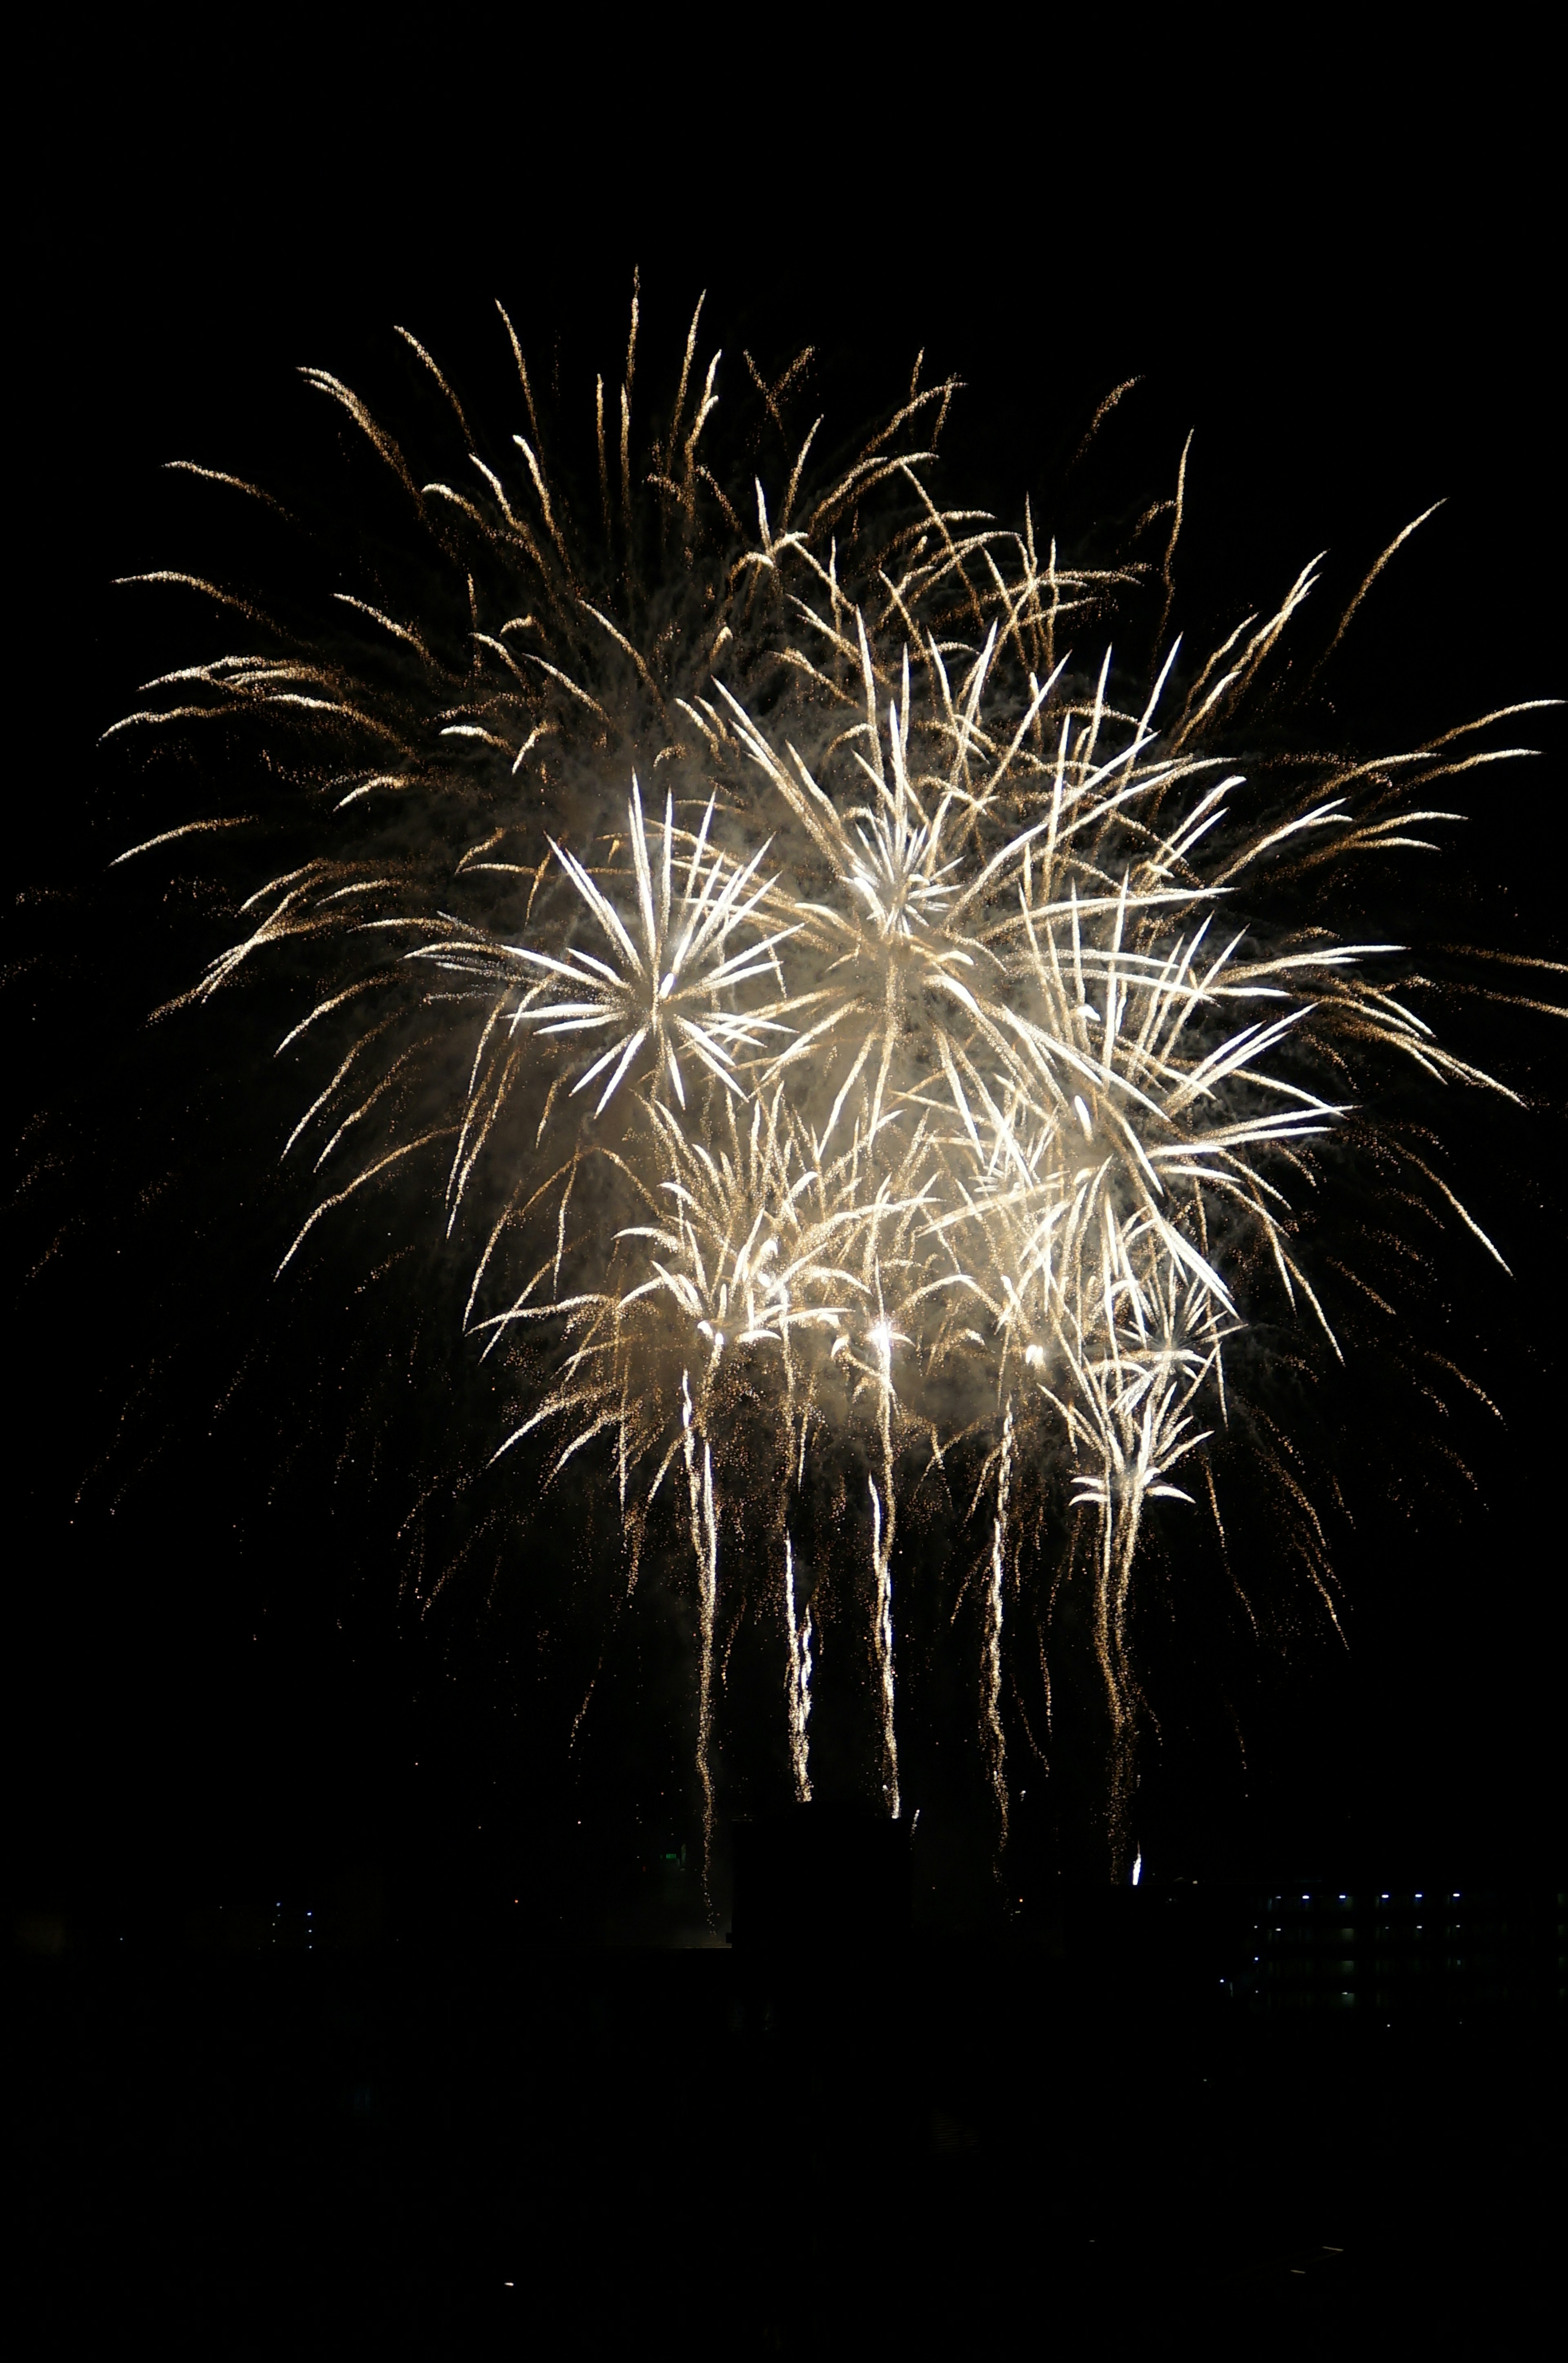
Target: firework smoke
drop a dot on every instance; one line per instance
(890, 1042)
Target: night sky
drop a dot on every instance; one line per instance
(213, 1686)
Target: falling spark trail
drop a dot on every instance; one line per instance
(993, 1642)
(883, 1527)
(705, 1547)
(798, 1681)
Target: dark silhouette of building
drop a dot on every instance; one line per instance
(1401, 1952)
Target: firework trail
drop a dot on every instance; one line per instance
(995, 1734)
(798, 1681)
(884, 1033)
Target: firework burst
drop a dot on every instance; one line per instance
(926, 1076)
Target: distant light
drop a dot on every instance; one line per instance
(1138, 1867)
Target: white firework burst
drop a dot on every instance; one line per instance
(967, 1038)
